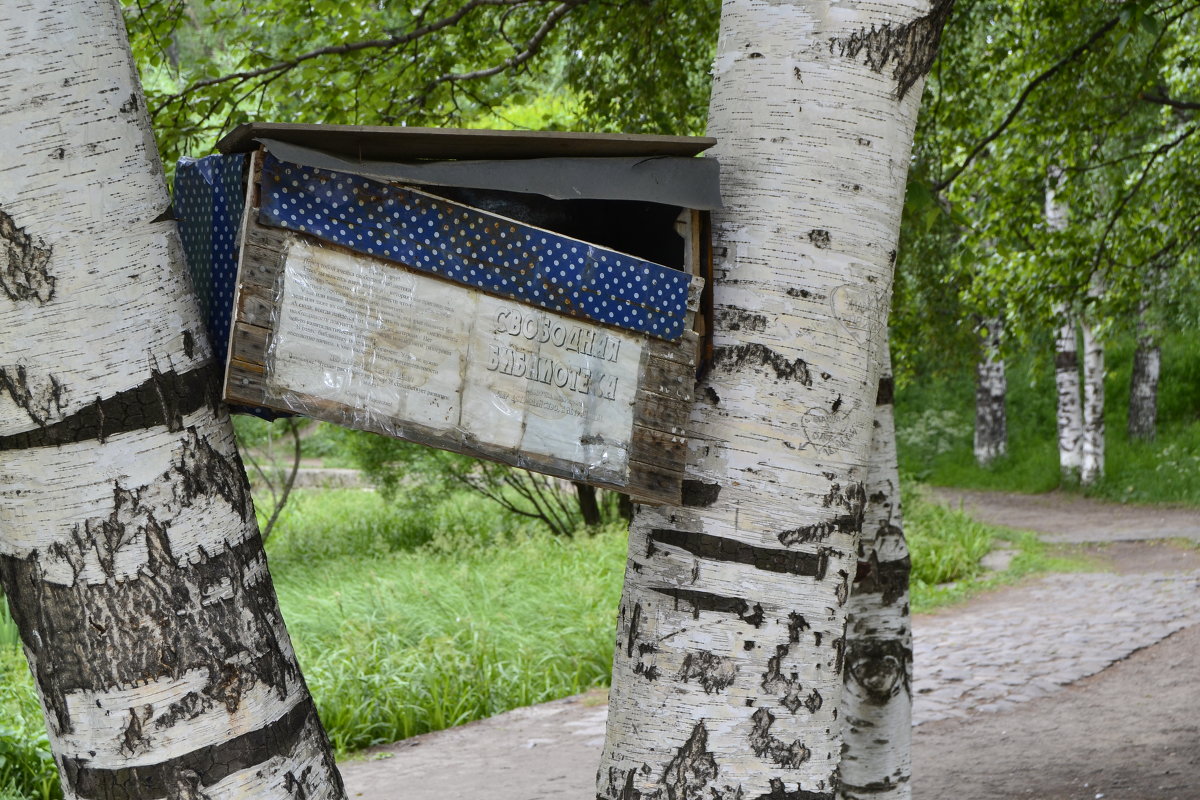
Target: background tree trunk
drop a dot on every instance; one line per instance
(991, 391)
(1143, 383)
(128, 546)
(730, 641)
(876, 709)
(1092, 466)
(1070, 410)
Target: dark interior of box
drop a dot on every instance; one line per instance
(645, 230)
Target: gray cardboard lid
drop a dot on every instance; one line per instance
(408, 144)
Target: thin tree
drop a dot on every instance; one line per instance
(129, 552)
(731, 632)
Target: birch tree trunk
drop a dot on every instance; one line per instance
(1092, 465)
(730, 641)
(1070, 411)
(991, 395)
(1066, 354)
(1143, 383)
(128, 545)
(876, 709)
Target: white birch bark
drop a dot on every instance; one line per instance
(129, 551)
(1092, 464)
(1069, 409)
(991, 394)
(730, 642)
(876, 709)
(1069, 414)
(1143, 382)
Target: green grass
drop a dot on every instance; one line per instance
(486, 616)
(947, 545)
(934, 419)
(27, 771)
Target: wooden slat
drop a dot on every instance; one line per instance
(250, 343)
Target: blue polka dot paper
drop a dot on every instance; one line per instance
(209, 196)
(474, 248)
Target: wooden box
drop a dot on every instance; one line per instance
(533, 299)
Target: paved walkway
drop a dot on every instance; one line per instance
(991, 655)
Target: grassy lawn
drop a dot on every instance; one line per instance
(935, 419)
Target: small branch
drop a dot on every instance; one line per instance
(1163, 100)
(343, 49)
(294, 429)
(1096, 36)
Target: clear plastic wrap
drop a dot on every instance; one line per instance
(370, 345)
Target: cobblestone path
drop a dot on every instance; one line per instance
(1031, 640)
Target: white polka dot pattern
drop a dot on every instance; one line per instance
(209, 195)
(474, 248)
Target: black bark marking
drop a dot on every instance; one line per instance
(183, 777)
(910, 48)
(889, 579)
(748, 356)
(778, 792)
(130, 105)
(794, 292)
(162, 621)
(164, 399)
(703, 601)
(635, 620)
(796, 625)
(24, 264)
(878, 669)
(297, 787)
(650, 673)
(189, 344)
(41, 400)
(736, 319)
(717, 548)
(186, 786)
(715, 673)
(620, 785)
(836, 404)
(766, 746)
(1066, 361)
(712, 395)
(787, 686)
(853, 500)
(886, 394)
(202, 472)
(819, 238)
(691, 769)
(697, 494)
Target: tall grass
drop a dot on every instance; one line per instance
(459, 613)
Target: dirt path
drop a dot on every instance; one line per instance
(1063, 518)
(1070, 687)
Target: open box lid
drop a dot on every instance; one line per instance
(405, 144)
(562, 166)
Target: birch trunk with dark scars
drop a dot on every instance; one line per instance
(129, 551)
(991, 396)
(1092, 465)
(1069, 408)
(876, 709)
(1143, 382)
(1069, 414)
(731, 632)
